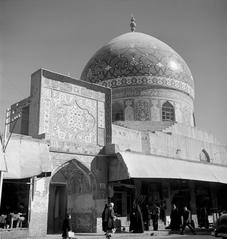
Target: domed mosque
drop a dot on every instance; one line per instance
(150, 82)
(78, 159)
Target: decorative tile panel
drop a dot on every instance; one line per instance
(73, 118)
(142, 110)
(101, 134)
(72, 115)
(101, 115)
(45, 105)
(129, 109)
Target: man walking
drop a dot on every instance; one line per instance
(187, 221)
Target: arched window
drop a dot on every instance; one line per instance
(204, 156)
(168, 113)
(117, 112)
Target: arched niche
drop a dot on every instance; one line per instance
(72, 187)
(204, 156)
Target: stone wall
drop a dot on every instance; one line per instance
(177, 141)
(39, 207)
(127, 138)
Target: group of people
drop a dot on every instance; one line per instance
(180, 221)
(13, 218)
(139, 220)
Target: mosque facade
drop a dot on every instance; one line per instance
(126, 131)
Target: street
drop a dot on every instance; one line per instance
(135, 236)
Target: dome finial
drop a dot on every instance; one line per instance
(133, 23)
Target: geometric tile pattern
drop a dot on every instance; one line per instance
(71, 113)
(73, 118)
(149, 81)
(129, 57)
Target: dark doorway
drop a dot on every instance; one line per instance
(57, 207)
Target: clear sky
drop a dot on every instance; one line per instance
(62, 35)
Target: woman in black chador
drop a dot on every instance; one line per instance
(105, 218)
(136, 219)
(66, 227)
(175, 219)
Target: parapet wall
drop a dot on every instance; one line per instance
(175, 142)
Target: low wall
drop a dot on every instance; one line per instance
(15, 233)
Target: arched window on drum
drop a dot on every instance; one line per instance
(168, 112)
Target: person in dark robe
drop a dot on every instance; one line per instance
(155, 211)
(66, 226)
(146, 217)
(110, 220)
(204, 218)
(163, 212)
(132, 225)
(105, 218)
(136, 220)
(175, 219)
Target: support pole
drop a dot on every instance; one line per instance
(3, 149)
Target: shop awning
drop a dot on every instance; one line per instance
(135, 165)
(26, 157)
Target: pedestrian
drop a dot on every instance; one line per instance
(146, 217)
(133, 223)
(110, 219)
(136, 219)
(66, 226)
(163, 212)
(187, 220)
(105, 218)
(204, 218)
(175, 219)
(155, 211)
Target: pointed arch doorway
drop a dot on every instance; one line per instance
(71, 191)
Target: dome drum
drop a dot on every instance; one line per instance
(150, 82)
(150, 106)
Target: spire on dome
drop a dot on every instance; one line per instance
(133, 24)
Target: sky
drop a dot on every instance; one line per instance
(62, 36)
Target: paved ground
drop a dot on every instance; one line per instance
(155, 237)
(137, 236)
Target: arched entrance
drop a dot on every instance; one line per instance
(71, 191)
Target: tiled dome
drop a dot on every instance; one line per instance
(134, 59)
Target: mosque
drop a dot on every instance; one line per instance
(126, 131)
